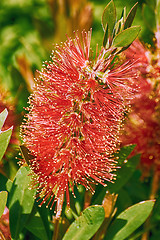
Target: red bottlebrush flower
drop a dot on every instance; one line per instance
(74, 118)
(143, 124)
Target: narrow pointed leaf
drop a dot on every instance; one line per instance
(130, 16)
(36, 226)
(129, 220)
(45, 216)
(126, 37)
(3, 201)
(4, 141)
(109, 17)
(21, 200)
(85, 226)
(105, 37)
(3, 116)
(123, 15)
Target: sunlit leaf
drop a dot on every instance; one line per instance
(129, 220)
(85, 226)
(3, 201)
(21, 200)
(4, 135)
(4, 141)
(109, 17)
(126, 37)
(3, 116)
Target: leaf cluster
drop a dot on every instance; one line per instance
(118, 34)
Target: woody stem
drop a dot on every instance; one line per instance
(56, 229)
(57, 217)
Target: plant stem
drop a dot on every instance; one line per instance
(56, 229)
(155, 185)
(87, 199)
(57, 217)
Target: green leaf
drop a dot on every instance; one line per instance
(3, 116)
(126, 37)
(4, 141)
(45, 216)
(3, 181)
(129, 220)
(36, 226)
(4, 135)
(123, 15)
(21, 200)
(124, 174)
(3, 201)
(109, 17)
(85, 226)
(105, 37)
(120, 23)
(130, 16)
(9, 185)
(149, 17)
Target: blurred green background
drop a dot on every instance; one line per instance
(28, 30)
